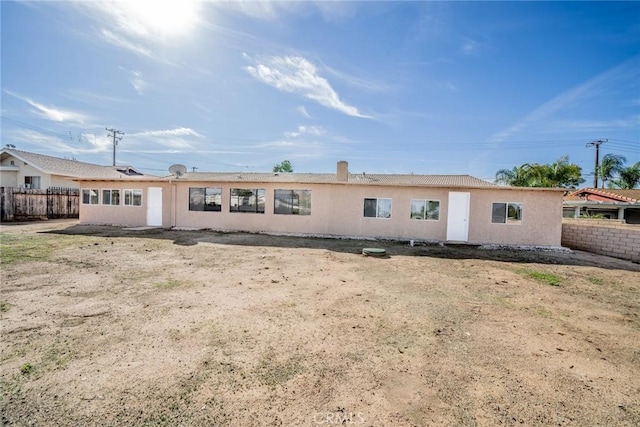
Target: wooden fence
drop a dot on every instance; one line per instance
(54, 202)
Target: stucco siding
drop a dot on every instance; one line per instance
(541, 218)
(8, 178)
(338, 210)
(133, 216)
(335, 210)
(59, 181)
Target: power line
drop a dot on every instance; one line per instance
(113, 133)
(597, 145)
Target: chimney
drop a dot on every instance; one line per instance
(343, 171)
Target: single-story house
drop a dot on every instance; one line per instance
(22, 169)
(440, 208)
(608, 203)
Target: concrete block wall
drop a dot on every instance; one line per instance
(606, 237)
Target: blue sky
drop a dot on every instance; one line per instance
(391, 87)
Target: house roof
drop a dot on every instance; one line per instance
(331, 178)
(70, 168)
(408, 180)
(604, 195)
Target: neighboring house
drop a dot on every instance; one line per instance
(413, 207)
(23, 169)
(608, 203)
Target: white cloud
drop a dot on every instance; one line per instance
(594, 125)
(120, 41)
(469, 46)
(140, 25)
(179, 138)
(266, 10)
(295, 74)
(51, 112)
(135, 78)
(97, 143)
(168, 133)
(336, 11)
(305, 130)
(576, 96)
(304, 112)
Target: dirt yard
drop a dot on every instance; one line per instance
(107, 326)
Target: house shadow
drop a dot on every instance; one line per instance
(355, 246)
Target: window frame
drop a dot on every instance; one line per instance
(377, 199)
(133, 192)
(111, 191)
(254, 192)
(97, 196)
(32, 180)
(206, 207)
(507, 216)
(425, 204)
(302, 211)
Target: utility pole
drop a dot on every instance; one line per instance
(114, 133)
(597, 145)
(193, 168)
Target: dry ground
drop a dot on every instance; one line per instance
(106, 326)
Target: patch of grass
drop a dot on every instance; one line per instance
(4, 306)
(271, 373)
(543, 276)
(506, 302)
(541, 311)
(26, 368)
(17, 247)
(25, 247)
(595, 280)
(168, 284)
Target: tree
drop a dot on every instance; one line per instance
(283, 166)
(560, 173)
(516, 177)
(628, 177)
(610, 166)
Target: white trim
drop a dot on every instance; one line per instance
(506, 217)
(426, 219)
(124, 197)
(377, 199)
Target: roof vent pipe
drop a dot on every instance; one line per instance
(343, 171)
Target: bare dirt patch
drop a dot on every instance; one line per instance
(107, 326)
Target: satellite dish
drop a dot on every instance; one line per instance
(178, 170)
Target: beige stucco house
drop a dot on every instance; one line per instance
(440, 208)
(23, 169)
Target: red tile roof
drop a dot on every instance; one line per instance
(606, 194)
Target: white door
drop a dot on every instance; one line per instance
(458, 217)
(154, 207)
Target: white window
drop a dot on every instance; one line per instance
(377, 208)
(506, 213)
(90, 196)
(292, 202)
(32, 182)
(111, 197)
(133, 197)
(425, 209)
(205, 199)
(247, 200)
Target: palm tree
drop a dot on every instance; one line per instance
(516, 177)
(560, 173)
(565, 174)
(610, 166)
(629, 177)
